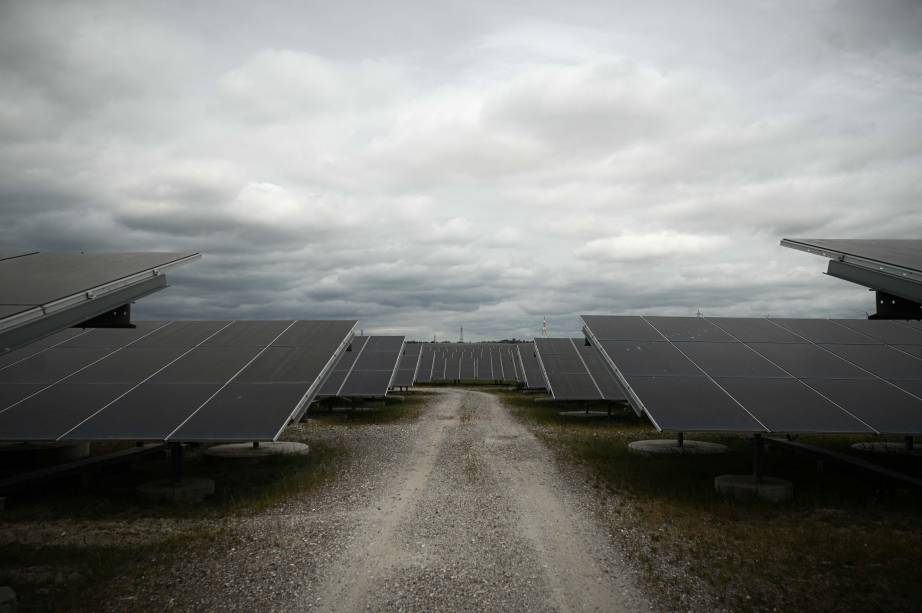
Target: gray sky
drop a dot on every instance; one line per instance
(422, 166)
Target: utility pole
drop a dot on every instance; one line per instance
(544, 326)
(462, 335)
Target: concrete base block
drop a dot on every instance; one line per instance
(583, 413)
(394, 398)
(744, 487)
(187, 491)
(246, 451)
(665, 446)
(885, 447)
(41, 454)
(8, 603)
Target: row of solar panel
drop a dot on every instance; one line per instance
(478, 362)
(767, 375)
(167, 381)
(574, 370)
(366, 370)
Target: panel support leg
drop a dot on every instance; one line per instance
(680, 439)
(255, 444)
(908, 442)
(176, 462)
(758, 448)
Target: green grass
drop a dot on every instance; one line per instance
(392, 411)
(845, 543)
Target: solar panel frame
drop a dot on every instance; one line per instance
(44, 292)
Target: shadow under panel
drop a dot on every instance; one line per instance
(49, 414)
(243, 412)
(148, 413)
(787, 405)
(883, 407)
(691, 404)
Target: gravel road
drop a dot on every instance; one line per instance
(463, 509)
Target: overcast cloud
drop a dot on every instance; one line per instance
(423, 166)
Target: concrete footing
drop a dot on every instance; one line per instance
(188, 490)
(41, 454)
(663, 446)
(583, 413)
(745, 487)
(886, 448)
(246, 451)
(8, 603)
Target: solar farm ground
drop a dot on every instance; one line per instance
(461, 499)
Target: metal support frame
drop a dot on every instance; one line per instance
(58, 320)
(680, 439)
(176, 462)
(894, 307)
(119, 317)
(908, 442)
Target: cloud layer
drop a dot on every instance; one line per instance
(428, 167)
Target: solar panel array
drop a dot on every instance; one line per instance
(767, 375)
(575, 371)
(43, 292)
(530, 367)
(409, 364)
(167, 381)
(449, 362)
(367, 370)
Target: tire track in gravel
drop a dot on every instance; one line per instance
(369, 556)
(477, 518)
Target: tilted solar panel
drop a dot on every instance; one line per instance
(170, 381)
(766, 375)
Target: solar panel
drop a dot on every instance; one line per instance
(150, 384)
(903, 253)
(409, 365)
(890, 332)
(892, 267)
(371, 371)
(565, 372)
(343, 367)
(599, 371)
(531, 369)
(41, 292)
(772, 375)
(824, 331)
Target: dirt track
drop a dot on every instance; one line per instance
(478, 518)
